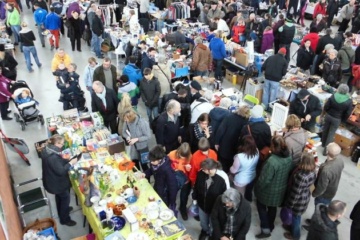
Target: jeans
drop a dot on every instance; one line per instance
(325, 201)
(218, 66)
(152, 113)
(270, 92)
(200, 73)
(296, 226)
(62, 205)
(205, 221)
(267, 217)
(329, 129)
(27, 50)
(16, 29)
(41, 28)
(97, 44)
(54, 39)
(93, 40)
(184, 195)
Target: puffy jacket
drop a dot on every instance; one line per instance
(54, 170)
(314, 38)
(332, 71)
(58, 60)
(217, 47)
(346, 56)
(202, 58)
(339, 106)
(133, 72)
(275, 67)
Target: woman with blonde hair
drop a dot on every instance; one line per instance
(27, 39)
(180, 162)
(123, 106)
(295, 138)
(89, 73)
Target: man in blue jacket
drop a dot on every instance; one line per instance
(53, 24)
(132, 71)
(217, 47)
(148, 59)
(39, 17)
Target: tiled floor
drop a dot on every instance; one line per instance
(43, 85)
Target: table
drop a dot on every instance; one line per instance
(241, 67)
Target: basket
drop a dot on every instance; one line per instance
(41, 224)
(48, 232)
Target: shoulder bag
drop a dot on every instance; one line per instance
(143, 153)
(171, 86)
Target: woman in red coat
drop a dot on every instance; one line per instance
(320, 8)
(238, 30)
(5, 96)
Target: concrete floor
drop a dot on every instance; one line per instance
(43, 85)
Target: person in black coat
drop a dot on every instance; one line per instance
(167, 131)
(252, 26)
(356, 25)
(208, 186)
(305, 56)
(8, 64)
(231, 206)
(332, 72)
(75, 30)
(55, 177)
(327, 39)
(165, 183)
(355, 226)
(148, 59)
(228, 133)
(307, 107)
(105, 101)
(98, 29)
(331, 10)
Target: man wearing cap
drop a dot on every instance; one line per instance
(195, 89)
(230, 216)
(287, 33)
(274, 69)
(307, 107)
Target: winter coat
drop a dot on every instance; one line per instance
(314, 38)
(140, 129)
(217, 114)
(74, 28)
(88, 75)
(271, 185)
(273, 10)
(217, 47)
(167, 131)
(5, 94)
(66, 60)
(287, 33)
(206, 197)
(355, 216)
(338, 107)
(146, 62)
(13, 18)
(327, 39)
(163, 74)
(99, 75)
(328, 178)
(313, 107)
(322, 227)
(202, 58)
(346, 56)
(133, 72)
(241, 219)
(319, 26)
(319, 9)
(296, 141)
(276, 27)
(252, 26)
(52, 21)
(27, 37)
(97, 26)
(357, 56)
(73, 91)
(165, 183)
(237, 31)
(332, 7)
(132, 90)
(275, 67)
(355, 28)
(305, 58)
(267, 41)
(228, 133)
(150, 92)
(110, 112)
(196, 133)
(261, 133)
(332, 73)
(10, 63)
(299, 196)
(197, 158)
(55, 170)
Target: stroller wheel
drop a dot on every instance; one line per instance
(17, 117)
(22, 124)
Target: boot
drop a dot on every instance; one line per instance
(203, 235)
(324, 152)
(184, 214)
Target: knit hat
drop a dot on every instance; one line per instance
(303, 93)
(282, 51)
(195, 85)
(2, 48)
(257, 111)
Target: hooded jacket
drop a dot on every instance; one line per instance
(27, 37)
(346, 56)
(267, 40)
(322, 227)
(217, 47)
(216, 115)
(314, 38)
(296, 141)
(241, 221)
(339, 106)
(133, 72)
(58, 60)
(55, 170)
(202, 58)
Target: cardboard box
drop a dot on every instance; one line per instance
(176, 56)
(229, 76)
(241, 58)
(346, 141)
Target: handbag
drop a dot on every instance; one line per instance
(144, 154)
(286, 216)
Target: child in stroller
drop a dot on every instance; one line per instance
(25, 97)
(71, 94)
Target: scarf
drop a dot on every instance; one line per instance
(229, 225)
(304, 103)
(155, 168)
(102, 97)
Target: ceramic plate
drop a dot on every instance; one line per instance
(138, 236)
(153, 214)
(166, 215)
(152, 206)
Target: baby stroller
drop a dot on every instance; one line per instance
(27, 112)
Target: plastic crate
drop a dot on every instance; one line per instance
(48, 232)
(181, 72)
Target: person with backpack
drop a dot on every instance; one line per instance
(132, 71)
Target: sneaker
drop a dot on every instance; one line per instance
(203, 235)
(31, 70)
(288, 235)
(69, 223)
(39, 66)
(52, 47)
(184, 215)
(71, 208)
(263, 235)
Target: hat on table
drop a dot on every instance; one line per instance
(195, 85)
(282, 51)
(257, 111)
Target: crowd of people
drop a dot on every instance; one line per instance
(226, 159)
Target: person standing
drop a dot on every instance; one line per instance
(60, 57)
(27, 39)
(202, 59)
(346, 14)
(13, 21)
(271, 185)
(355, 225)
(97, 31)
(8, 63)
(90, 15)
(5, 96)
(53, 24)
(40, 17)
(305, 56)
(56, 178)
(106, 73)
(325, 221)
(105, 101)
(332, 9)
(74, 31)
(217, 47)
(88, 75)
(287, 33)
(150, 93)
(337, 108)
(230, 216)
(274, 68)
(148, 59)
(276, 32)
(163, 74)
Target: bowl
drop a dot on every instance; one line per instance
(95, 200)
(119, 223)
(153, 214)
(131, 199)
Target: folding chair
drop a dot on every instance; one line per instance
(32, 199)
